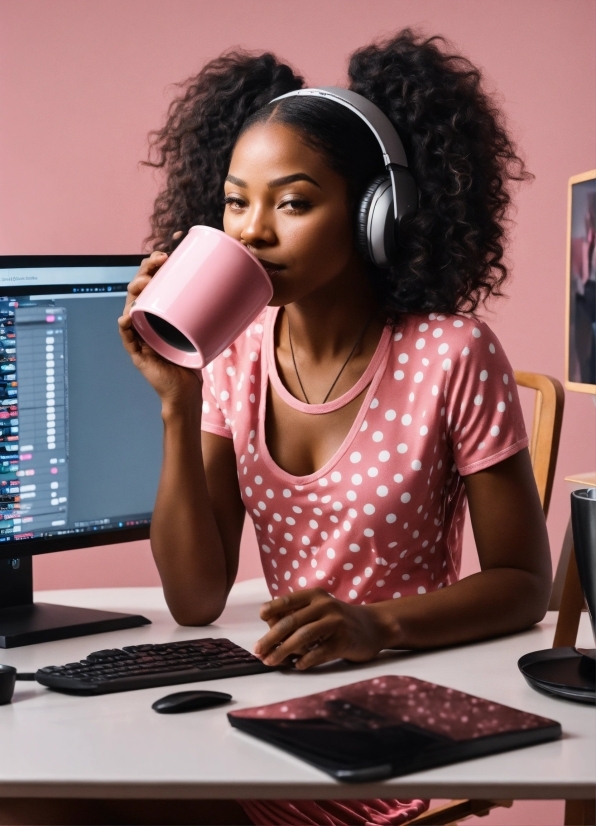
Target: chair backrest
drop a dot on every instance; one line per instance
(546, 429)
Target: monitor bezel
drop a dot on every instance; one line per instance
(70, 542)
(573, 385)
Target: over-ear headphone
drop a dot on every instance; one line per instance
(390, 197)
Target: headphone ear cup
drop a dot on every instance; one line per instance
(375, 223)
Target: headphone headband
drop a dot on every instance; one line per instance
(377, 121)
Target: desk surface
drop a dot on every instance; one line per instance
(116, 746)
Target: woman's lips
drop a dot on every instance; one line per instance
(271, 268)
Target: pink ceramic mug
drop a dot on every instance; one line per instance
(208, 292)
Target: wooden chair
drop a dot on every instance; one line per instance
(544, 448)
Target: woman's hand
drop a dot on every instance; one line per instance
(172, 383)
(311, 627)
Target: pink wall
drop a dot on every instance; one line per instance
(82, 83)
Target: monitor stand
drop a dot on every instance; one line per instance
(23, 622)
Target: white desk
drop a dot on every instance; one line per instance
(114, 746)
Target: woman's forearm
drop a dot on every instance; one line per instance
(185, 539)
(487, 604)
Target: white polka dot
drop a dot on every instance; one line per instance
(406, 419)
(380, 583)
(458, 323)
(355, 457)
(325, 499)
(398, 337)
(405, 497)
(501, 407)
(254, 356)
(302, 581)
(369, 509)
(305, 540)
(262, 506)
(411, 397)
(476, 332)
(303, 554)
(372, 472)
(206, 407)
(330, 553)
(336, 476)
(423, 430)
(420, 343)
(446, 364)
(368, 532)
(357, 580)
(465, 351)
(435, 390)
(402, 448)
(399, 374)
(396, 595)
(374, 403)
(423, 327)
(312, 497)
(438, 332)
(491, 347)
(481, 445)
(364, 426)
(402, 358)
(398, 478)
(382, 490)
(353, 594)
(391, 518)
(421, 589)
(277, 517)
(337, 506)
(269, 493)
(288, 537)
(323, 483)
(495, 430)
(296, 509)
(324, 536)
(252, 398)
(416, 464)
(405, 576)
(384, 456)
(251, 449)
(348, 566)
(443, 348)
(418, 377)
(505, 378)
(313, 524)
(390, 415)
(287, 493)
(248, 491)
(351, 495)
(290, 520)
(287, 575)
(352, 513)
(483, 375)
(227, 353)
(320, 574)
(478, 400)
(224, 395)
(259, 480)
(377, 436)
(426, 362)
(354, 548)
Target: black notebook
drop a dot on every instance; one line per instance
(390, 726)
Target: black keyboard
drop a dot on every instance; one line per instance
(146, 666)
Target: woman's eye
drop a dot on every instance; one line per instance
(295, 205)
(233, 202)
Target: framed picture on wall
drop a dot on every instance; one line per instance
(580, 333)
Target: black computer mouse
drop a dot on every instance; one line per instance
(190, 701)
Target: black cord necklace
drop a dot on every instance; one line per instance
(343, 367)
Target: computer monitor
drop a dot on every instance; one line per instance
(580, 339)
(80, 432)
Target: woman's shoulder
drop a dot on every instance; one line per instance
(440, 334)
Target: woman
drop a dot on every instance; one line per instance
(357, 415)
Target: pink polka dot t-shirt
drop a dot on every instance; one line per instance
(383, 518)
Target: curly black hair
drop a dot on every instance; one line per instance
(454, 134)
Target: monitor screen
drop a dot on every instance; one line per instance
(80, 429)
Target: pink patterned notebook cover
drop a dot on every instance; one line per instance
(393, 700)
